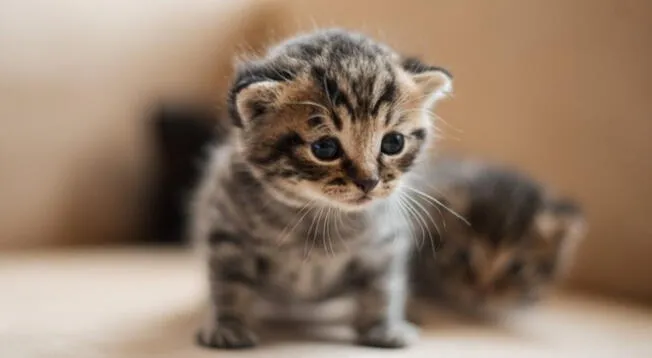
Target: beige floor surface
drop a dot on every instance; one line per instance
(144, 303)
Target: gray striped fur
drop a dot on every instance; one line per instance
(276, 222)
(517, 238)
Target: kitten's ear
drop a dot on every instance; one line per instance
(573, 221)
(434, 82)
(563, 225)
(561, 219)
(255, 92)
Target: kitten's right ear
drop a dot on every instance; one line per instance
(573, 219)
(255, 91)
(433, 82)
(561, 219)
(563, 225)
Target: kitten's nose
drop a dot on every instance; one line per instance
(366, 184)
(485, 290)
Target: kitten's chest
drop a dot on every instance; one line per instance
(297, 273)
(309, 271)
(308, 257)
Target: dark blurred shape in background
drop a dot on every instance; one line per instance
(182, 134)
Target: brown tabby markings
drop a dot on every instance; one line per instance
(282, 223)
(518, 241)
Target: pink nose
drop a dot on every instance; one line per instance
(485, 290)
(366, 184)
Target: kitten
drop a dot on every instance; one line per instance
(515, 239)
(297, 205)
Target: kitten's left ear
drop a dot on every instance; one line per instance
(255, 91)
(434, 82)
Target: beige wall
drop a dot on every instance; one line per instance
(76, 79)
(561, 88)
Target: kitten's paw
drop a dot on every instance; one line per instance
(231, 334)
(389, 335)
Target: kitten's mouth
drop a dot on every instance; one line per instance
(360, 200)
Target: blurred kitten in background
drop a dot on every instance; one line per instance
(505, 242)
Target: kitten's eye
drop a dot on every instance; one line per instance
(327, 148)
(392, 143)
(515, 268)
(463, 258)
(546, 269)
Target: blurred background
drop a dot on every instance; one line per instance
(562, 89)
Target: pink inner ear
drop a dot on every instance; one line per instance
(547, 225)
(575, 231)
(256, 99)
(434, 84)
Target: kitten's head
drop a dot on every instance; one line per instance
(520, 240)
(334, 117)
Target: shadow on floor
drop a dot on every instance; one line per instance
(171, 333)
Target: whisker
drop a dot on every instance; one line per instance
(314, 233)
(441, 215)
(425, 181)
(422, 222)
(292, 222)
(410, 210)
(307, 208)
(338, 220)
(419, 192)
(434, 246)
(308, 234)
(327, 232)
(323, 233)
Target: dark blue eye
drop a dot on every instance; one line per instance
(327, 148)
(463, 258)
(515, 268)
(546, 269)
(392, 143)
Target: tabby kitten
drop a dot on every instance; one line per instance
(299, 203)
(512, 242)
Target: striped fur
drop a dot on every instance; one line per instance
(279, 223)
(518, 237)
(276, 222)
